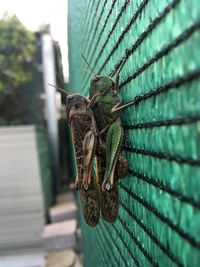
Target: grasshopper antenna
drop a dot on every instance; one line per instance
(59, 77)
(117, 70)
(58, 88)
(91, 69)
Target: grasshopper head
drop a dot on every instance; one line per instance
(76, 105)
(100, 84)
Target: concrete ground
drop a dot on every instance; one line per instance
(61, 241)
(66, 258)
(23, 258)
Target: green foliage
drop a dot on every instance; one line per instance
(17, 50)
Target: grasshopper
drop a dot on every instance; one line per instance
(84, 135)
(111, 165)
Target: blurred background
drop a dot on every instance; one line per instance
(36, 164)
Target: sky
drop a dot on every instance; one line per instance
(33, 13)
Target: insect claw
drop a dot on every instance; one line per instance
(85, 186)
(106, 186)
(115, 107)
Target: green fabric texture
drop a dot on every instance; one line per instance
(159, 216)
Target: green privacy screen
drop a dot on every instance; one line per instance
(159, 216)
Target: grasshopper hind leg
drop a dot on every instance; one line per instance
(90, 202)
(109, 200)
(89, 146)
(111, 168)
(89, 192)
(113, 146)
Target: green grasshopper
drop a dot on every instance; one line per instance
(85, 137)
(111, 165)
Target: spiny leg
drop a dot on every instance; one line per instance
(109, 199)
(89, 194)
(113, 143)
(89, 144)
(90, 202)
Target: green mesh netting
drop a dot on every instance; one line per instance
(159, 216)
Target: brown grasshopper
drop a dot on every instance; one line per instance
(84, 135)
(85, 138)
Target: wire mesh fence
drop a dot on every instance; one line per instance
(159, 214)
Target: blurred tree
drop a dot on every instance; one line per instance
(17, 49)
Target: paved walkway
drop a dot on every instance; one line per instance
(61, 239)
